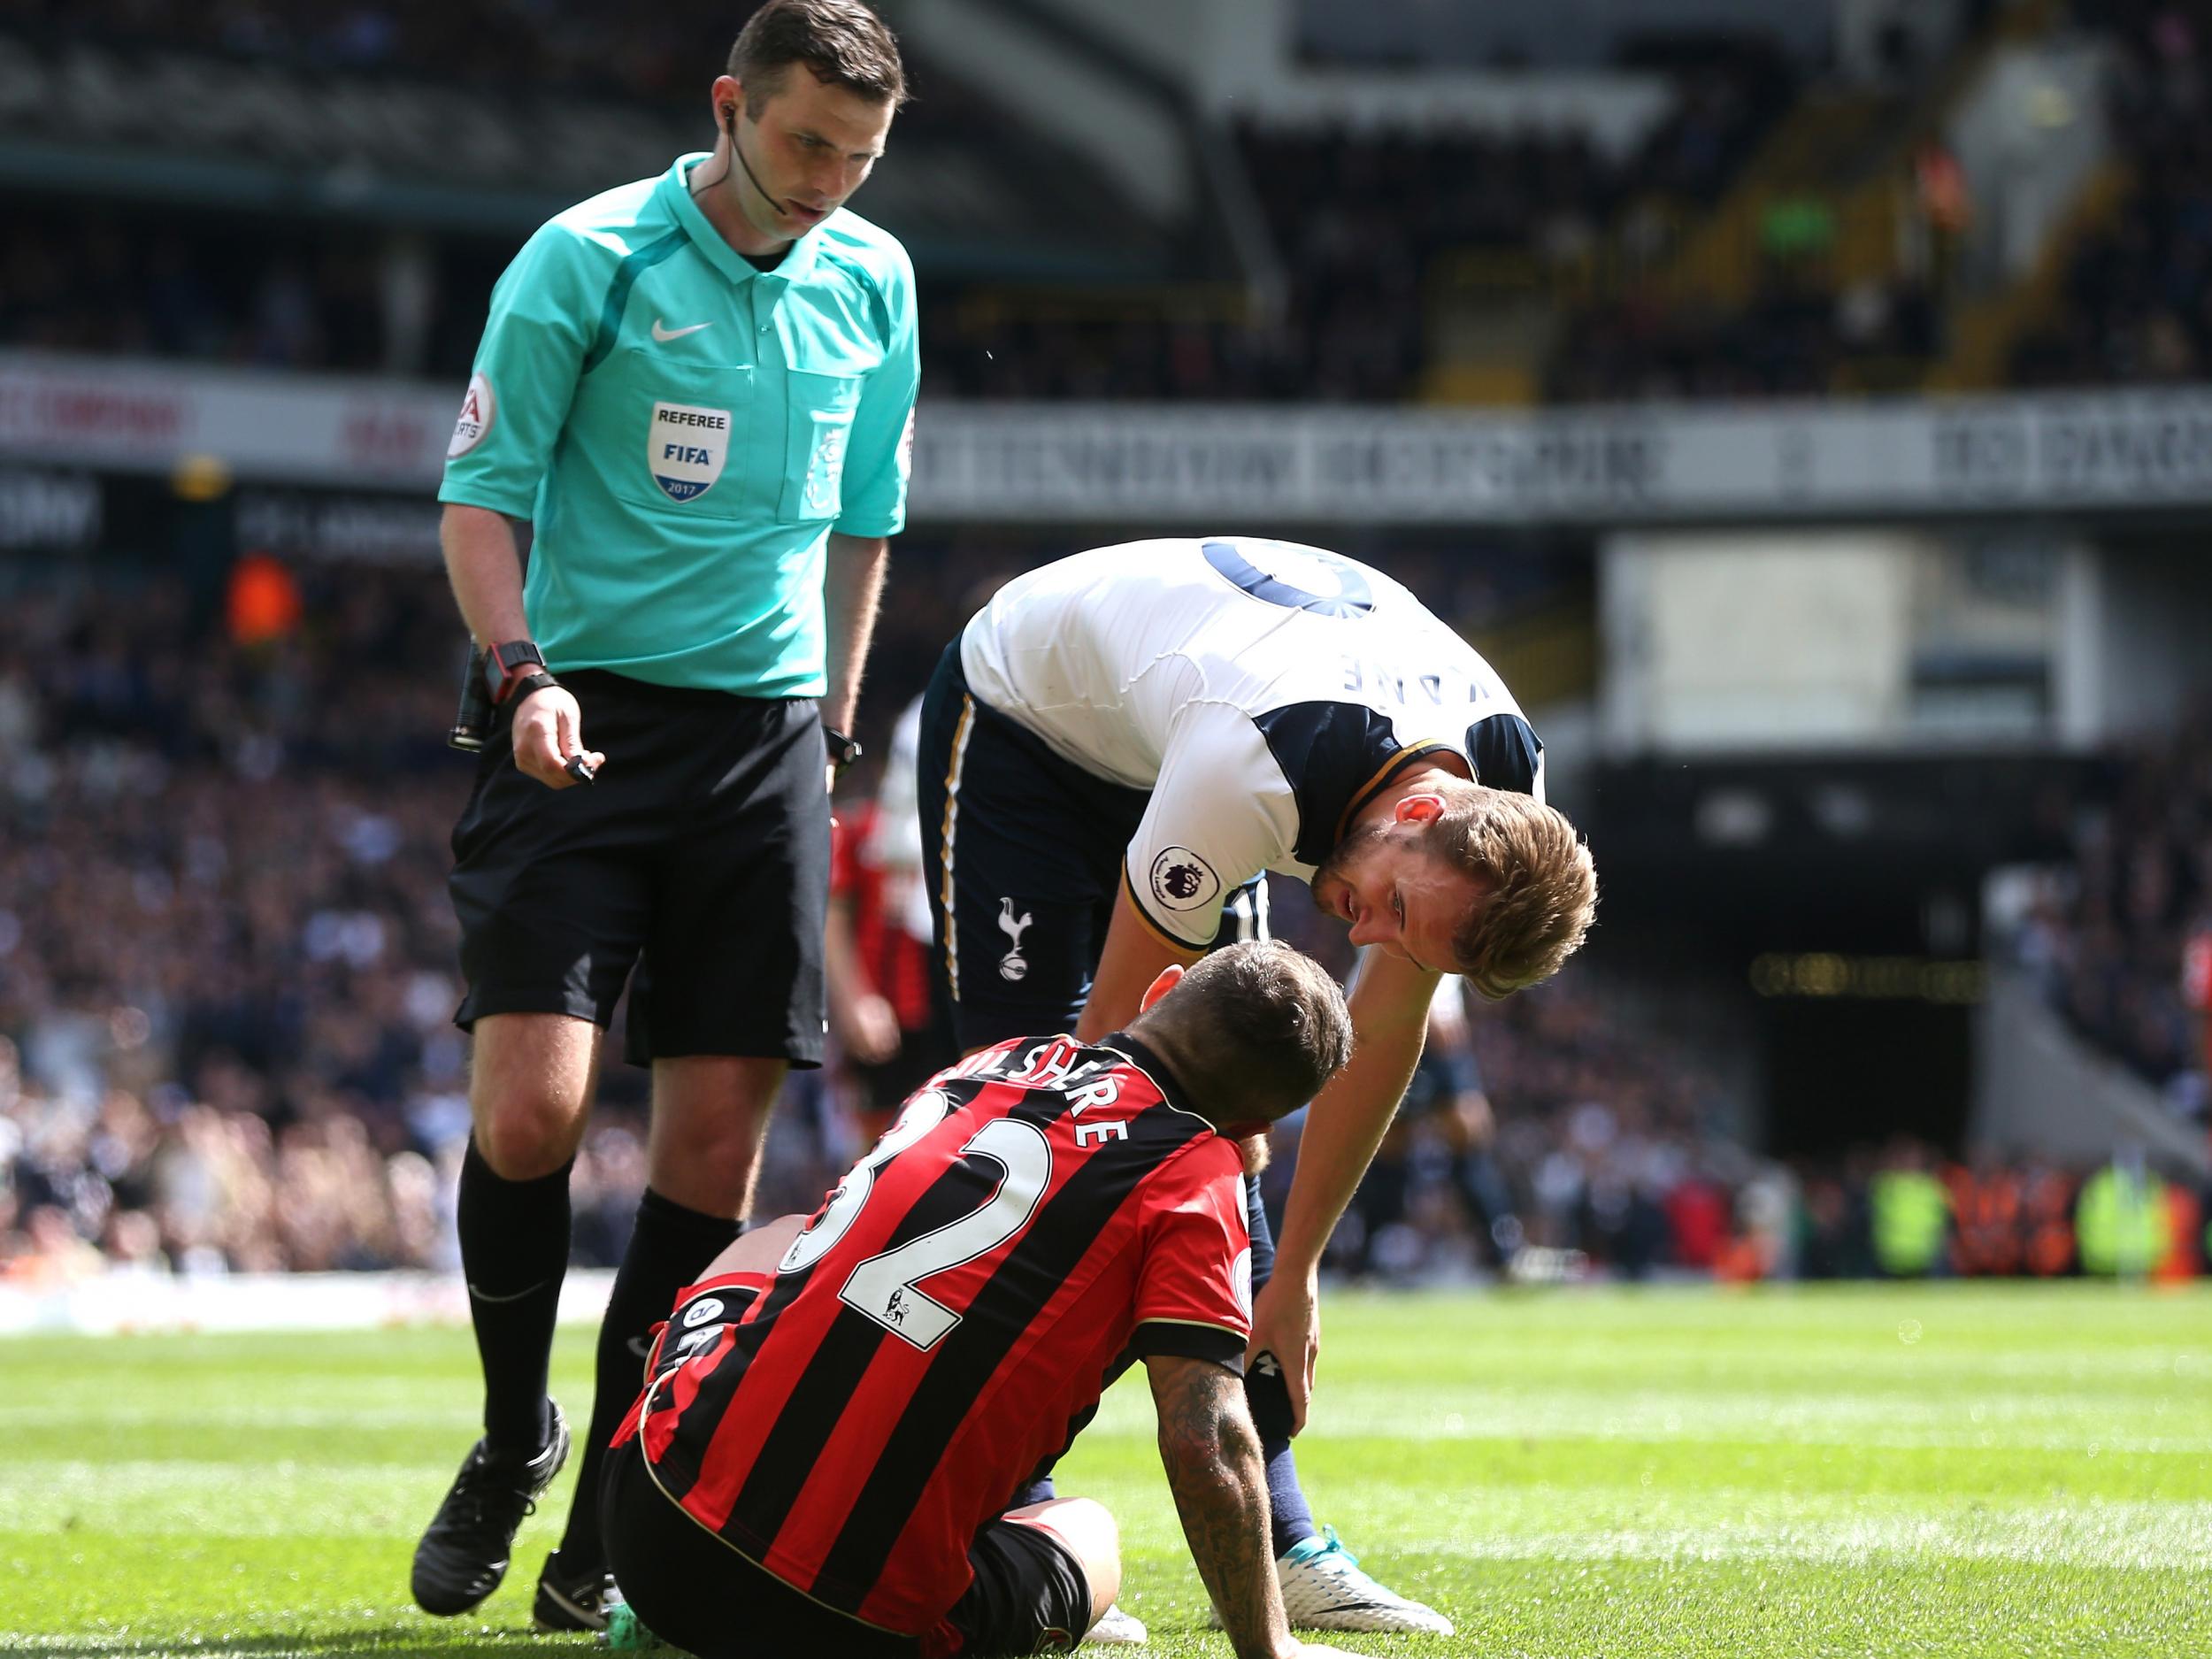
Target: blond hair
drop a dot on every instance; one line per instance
(1539, 886)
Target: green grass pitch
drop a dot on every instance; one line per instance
(2004, 1471)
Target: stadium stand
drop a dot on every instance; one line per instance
(2134, 292)
(2111, 940)
(226, 971)
(233, 288)
(1362, 221)
(226, 955)
(227, 977)
(564, 45)
(1371, 226)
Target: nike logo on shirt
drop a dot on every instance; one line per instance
(665, 335)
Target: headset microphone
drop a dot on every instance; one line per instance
(729, 126)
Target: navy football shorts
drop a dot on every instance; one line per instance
(1023, 852)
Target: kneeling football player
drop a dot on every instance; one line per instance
(836, 1416)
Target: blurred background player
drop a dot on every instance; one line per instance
(834, 1415)
(891, 1023)
(697, 387)
(1446, 1116)
(1114, 753)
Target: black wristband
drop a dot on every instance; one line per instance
(504, 664)
(528, 685)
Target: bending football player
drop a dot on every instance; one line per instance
(1116, 752)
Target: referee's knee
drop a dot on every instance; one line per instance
(523, 1136)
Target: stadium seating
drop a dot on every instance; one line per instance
(227, 968)
(2134, 303)
(1388, 241)
(225, 962)
(2110, 949)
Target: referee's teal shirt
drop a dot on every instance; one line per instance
(685, 431)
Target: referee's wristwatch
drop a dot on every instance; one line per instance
(842, 751)
(508, 667)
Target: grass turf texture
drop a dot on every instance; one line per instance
(2005, 1470)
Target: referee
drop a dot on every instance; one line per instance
(697, 389)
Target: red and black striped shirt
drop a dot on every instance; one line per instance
(1037, 1212)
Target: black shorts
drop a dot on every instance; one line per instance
(701, 856)
(1030, 1595)
(1029, 847)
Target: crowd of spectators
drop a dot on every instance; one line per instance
(221, 955)
(1796, 337)
(226, 955)
(214, 281)
(226, 958)
(1565, 1143)
(1362, 220)
(1357, 218)
(1546, 1130)
(235, 288)
(2134, 308)
(2120, 938)
(2138, 305)
(228, 978)
(559, 45)
(1574, 1145)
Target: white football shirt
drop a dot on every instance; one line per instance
(1262, 691)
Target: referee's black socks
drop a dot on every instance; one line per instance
(670, 1247)
(514, 1252)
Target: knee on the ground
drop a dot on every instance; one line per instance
(1088, 1528)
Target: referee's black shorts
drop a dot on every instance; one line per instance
(1030, 1595)
(701, 856)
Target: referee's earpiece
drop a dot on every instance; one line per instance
(729, 126)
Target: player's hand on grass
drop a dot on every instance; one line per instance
(549, 733)
(1286, 1327)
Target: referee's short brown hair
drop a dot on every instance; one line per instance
(1251, 1032)
(843, 42)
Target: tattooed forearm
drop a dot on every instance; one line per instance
(1212, 1455)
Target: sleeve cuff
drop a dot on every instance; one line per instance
(1174, 1337)
(1166, 935)
(886, 527)
(466, 493)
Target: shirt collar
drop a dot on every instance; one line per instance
(1149, 1061)
(798, 260)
